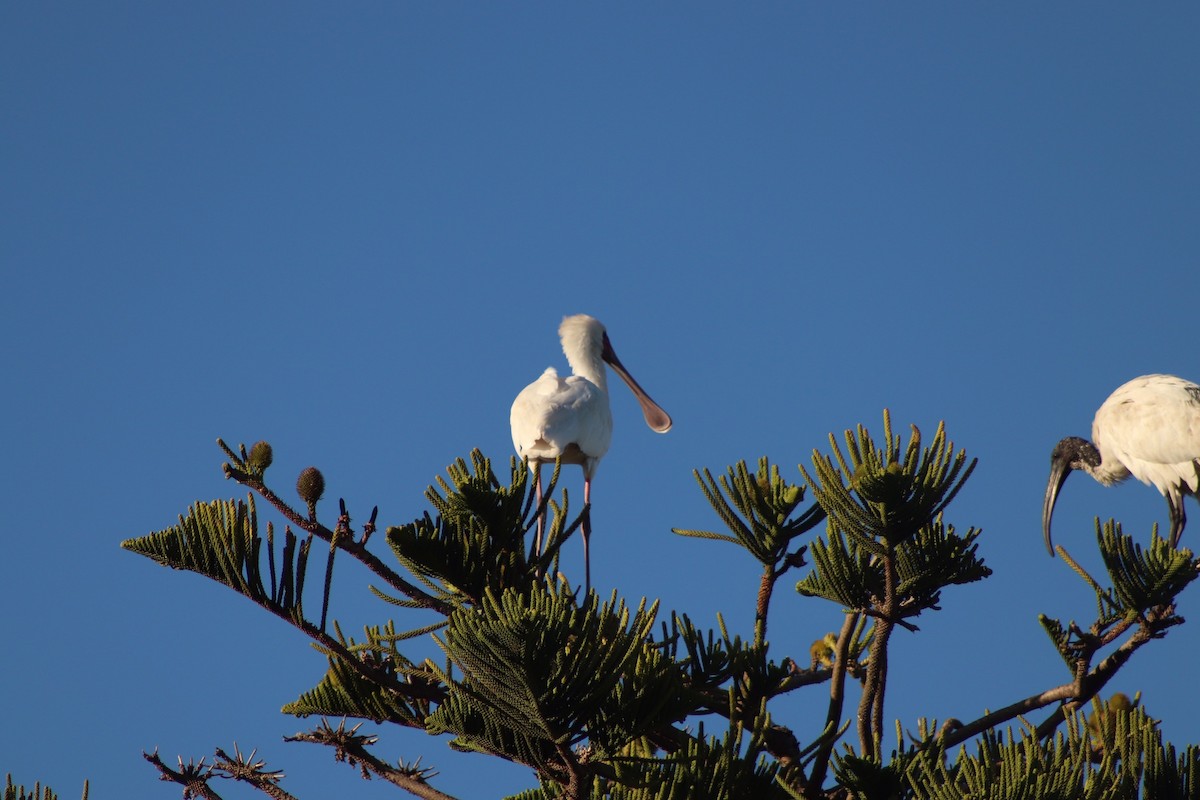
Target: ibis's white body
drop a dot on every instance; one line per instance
(1150, 428)
(569, 418)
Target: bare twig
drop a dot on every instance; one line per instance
(192, 776)
(351, 747)
(247, 770)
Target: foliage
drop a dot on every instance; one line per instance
(1109, 761)
(604, 698)
(14, 791)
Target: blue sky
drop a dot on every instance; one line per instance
(353, 232)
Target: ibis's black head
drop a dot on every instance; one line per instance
(1069, 454)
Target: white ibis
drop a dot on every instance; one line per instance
(1150, 429)
(569, 418)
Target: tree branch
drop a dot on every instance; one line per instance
(193, 777)
(870, 707)
(245, 769)
(837, 697)
(351, 747)
(1078, 692)
(1154, 623)
(765, 587)
(357, 549)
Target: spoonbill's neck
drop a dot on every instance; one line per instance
(583, 344)
(589, 365)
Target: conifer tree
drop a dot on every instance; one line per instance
(624, 700)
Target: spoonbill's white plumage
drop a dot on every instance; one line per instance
(569, 418)
(1150, 429)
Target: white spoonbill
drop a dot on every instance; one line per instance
(1150, 429)
(569, 418)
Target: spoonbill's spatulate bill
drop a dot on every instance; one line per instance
(1150, 429)
(569, 418)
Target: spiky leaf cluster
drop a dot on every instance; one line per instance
(705, 768)
(16, 792)
(540, 674)
(345, 692)
(477, 538)
(867, 779)
(887, 495)
(708, 767)
(890, 509)
(220, 540)
(1144, 585)
(757, 508)
(1060, 635)
(844, 573)
(714, 769)
(709, 659)
(713, 660)
(936, 557)
(1144, 579)
(1121, 760)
